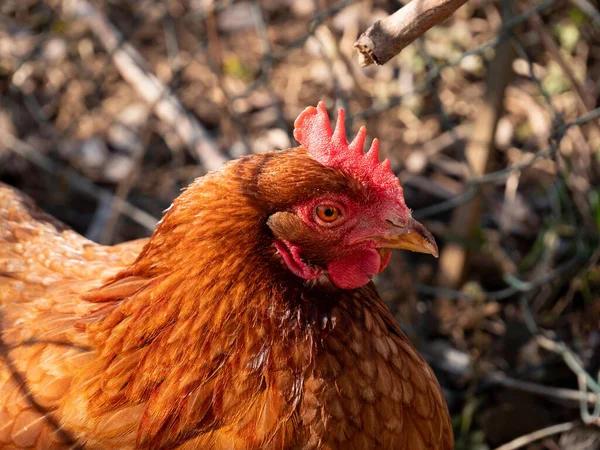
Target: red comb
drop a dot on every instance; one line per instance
(313, 131)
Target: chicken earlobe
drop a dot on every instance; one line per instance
(288, 230)
(292, 258)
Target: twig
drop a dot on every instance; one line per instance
(539, 434)
(515, 286)
(558, 134)
(570, 395)
(446, 139)
(501, 36)
(82, 184)
(386, 38)
(131, 65)
(584, 379)
(427, 185)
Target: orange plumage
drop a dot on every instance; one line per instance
(247, 320)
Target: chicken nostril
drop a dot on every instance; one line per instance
(393, 224)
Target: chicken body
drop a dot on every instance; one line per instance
(44, 269)
(201, 337)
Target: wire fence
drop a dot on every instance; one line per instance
(126, 103)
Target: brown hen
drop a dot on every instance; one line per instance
(247, 321)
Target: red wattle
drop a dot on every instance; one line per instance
(355, 270)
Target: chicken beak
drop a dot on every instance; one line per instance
(414, 237)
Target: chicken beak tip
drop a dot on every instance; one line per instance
(415, 238)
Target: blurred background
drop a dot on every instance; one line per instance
(491, 121)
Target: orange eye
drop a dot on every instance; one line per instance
(328, 213)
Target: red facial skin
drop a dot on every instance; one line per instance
(357, 256)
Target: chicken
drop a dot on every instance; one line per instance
(247, 321)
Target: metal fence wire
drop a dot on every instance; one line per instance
(490, 119)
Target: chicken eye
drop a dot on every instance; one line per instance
(328, 213)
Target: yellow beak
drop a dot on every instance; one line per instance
(414, 237)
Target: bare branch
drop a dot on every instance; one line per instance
(561, 394)
(522, 441)
(388, 37)
(132, 67)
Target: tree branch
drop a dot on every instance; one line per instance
(388, 37)
(538, 435)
